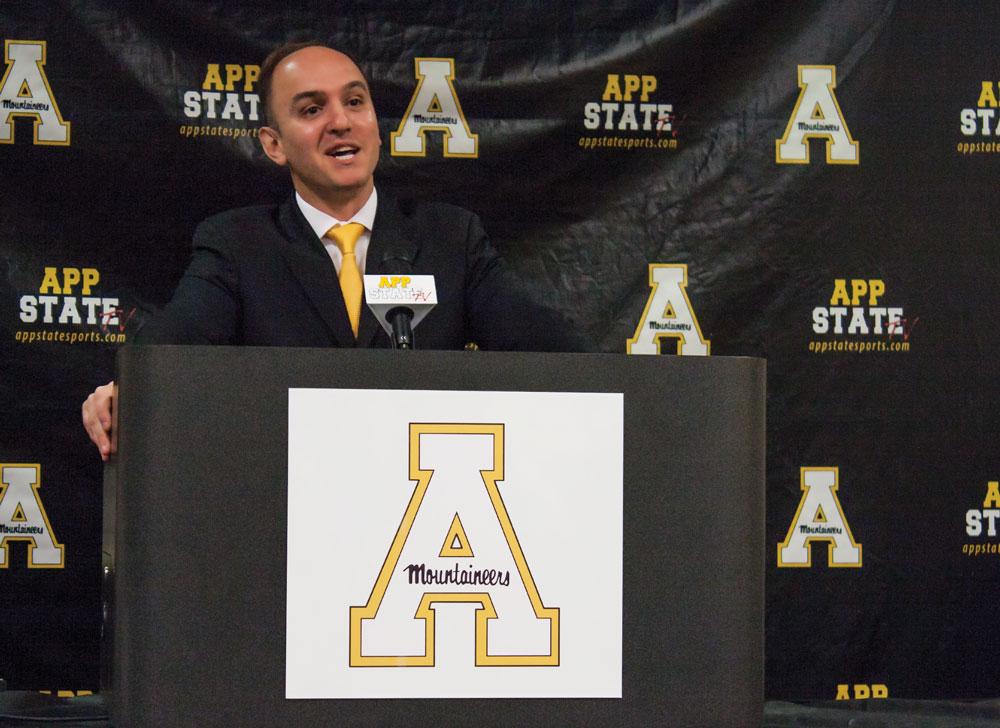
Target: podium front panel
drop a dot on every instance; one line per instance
(198, 549)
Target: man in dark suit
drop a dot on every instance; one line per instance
(260, 276)
(282, 276)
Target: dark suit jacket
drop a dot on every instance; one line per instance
(259, 276)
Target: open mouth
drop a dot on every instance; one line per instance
(343, 153)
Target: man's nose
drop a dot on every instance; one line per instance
(337, 119)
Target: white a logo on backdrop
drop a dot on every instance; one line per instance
(434, 107)
(23, 517)
(25, 91)
(819, 518)
(459, 533)
(668, 315)
(817, 115)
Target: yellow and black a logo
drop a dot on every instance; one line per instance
(23, 517)
(817, 115)
(456, 468)
(668, 315)
(434, 107)
(25, 91)
(819, 518)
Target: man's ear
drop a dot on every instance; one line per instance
(270, 141)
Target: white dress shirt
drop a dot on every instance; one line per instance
(320, 222)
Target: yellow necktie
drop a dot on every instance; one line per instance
(346, 237)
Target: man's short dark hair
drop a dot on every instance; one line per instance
(271, 63)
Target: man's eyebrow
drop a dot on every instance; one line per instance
(314, 95)
(320, 95)
(356, 84)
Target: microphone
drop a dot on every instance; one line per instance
(400, 318)
(399, 300)
(402, 330)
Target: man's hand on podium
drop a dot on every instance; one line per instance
(97, 418)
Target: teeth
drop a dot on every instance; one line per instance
(344, 153)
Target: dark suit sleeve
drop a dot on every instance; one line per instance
(205, 308)
(503, 312)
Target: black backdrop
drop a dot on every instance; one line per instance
(582, 213)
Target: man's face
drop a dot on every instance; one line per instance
(323, 126)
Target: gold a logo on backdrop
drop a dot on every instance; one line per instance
(819, 518)
(817, 115)
(668, 315)
(25, 92)
(434, 106)
(23, 517)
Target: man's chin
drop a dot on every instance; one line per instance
(349, 188)
(338, 186)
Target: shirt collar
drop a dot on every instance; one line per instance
(320, 222)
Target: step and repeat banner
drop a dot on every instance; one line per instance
(810, 182)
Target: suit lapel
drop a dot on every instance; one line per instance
(392, 236)
(310, 264)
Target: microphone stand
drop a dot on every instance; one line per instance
(402, 333)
